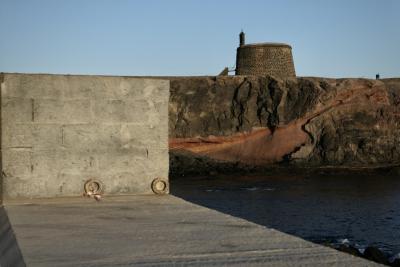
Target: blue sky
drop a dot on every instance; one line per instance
(331, 38)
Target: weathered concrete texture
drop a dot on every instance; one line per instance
(59, 131)
(156, 231)
(307, 122)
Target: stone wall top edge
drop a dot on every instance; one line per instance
(265, 45)
(155, 78)
(2, 74)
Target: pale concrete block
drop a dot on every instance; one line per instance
(151, 162)
(106, 87)
(157, 162)
(33, 86)
(50, 163)
(138, 111)
(143, 135)
(46, 136)
(110, 110)
(17, 163)
(119, 110)
(59, 111)
(71, 182)
(18, 188)
(128, 159)
(33, 136)
(72, 128)
(91, 137)
(66, 183)
(128, 183)
(17, 135)
(129, 88)
(80, 87)
(127, 136)
(16, 110)
(79, 137)
(138, 88)
(161, 108)
(113, 181)
(157, 90)
(159, 114)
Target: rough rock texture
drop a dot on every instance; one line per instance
(304, 122)
(264, 59)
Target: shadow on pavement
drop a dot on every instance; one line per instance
(10, 253)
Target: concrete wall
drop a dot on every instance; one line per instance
(60, 130)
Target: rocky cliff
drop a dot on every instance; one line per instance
(248, 121)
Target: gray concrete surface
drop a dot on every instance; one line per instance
(155, 231)
(10, 254)
(60, 130)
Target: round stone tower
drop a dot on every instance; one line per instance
(264, 59)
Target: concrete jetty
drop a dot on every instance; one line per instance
(150, 231)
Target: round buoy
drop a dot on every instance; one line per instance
(160, 186)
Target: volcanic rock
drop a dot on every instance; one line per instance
(375, 254)
(301, 122)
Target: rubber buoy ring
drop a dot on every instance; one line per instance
(160, 186)
(93, 187)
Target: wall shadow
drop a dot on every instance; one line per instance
(10, 253)
(321, 209)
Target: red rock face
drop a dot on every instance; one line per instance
(306, 121)
(260, 146)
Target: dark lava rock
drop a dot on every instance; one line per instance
(395, 171)
(185, 163)
(349, 123)
(376, 255)
(395, 263)
(350, 250)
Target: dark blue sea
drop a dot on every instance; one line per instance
(329, 209)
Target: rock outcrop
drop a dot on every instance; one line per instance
(302, 122)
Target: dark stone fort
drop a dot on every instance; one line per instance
(274, 59)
